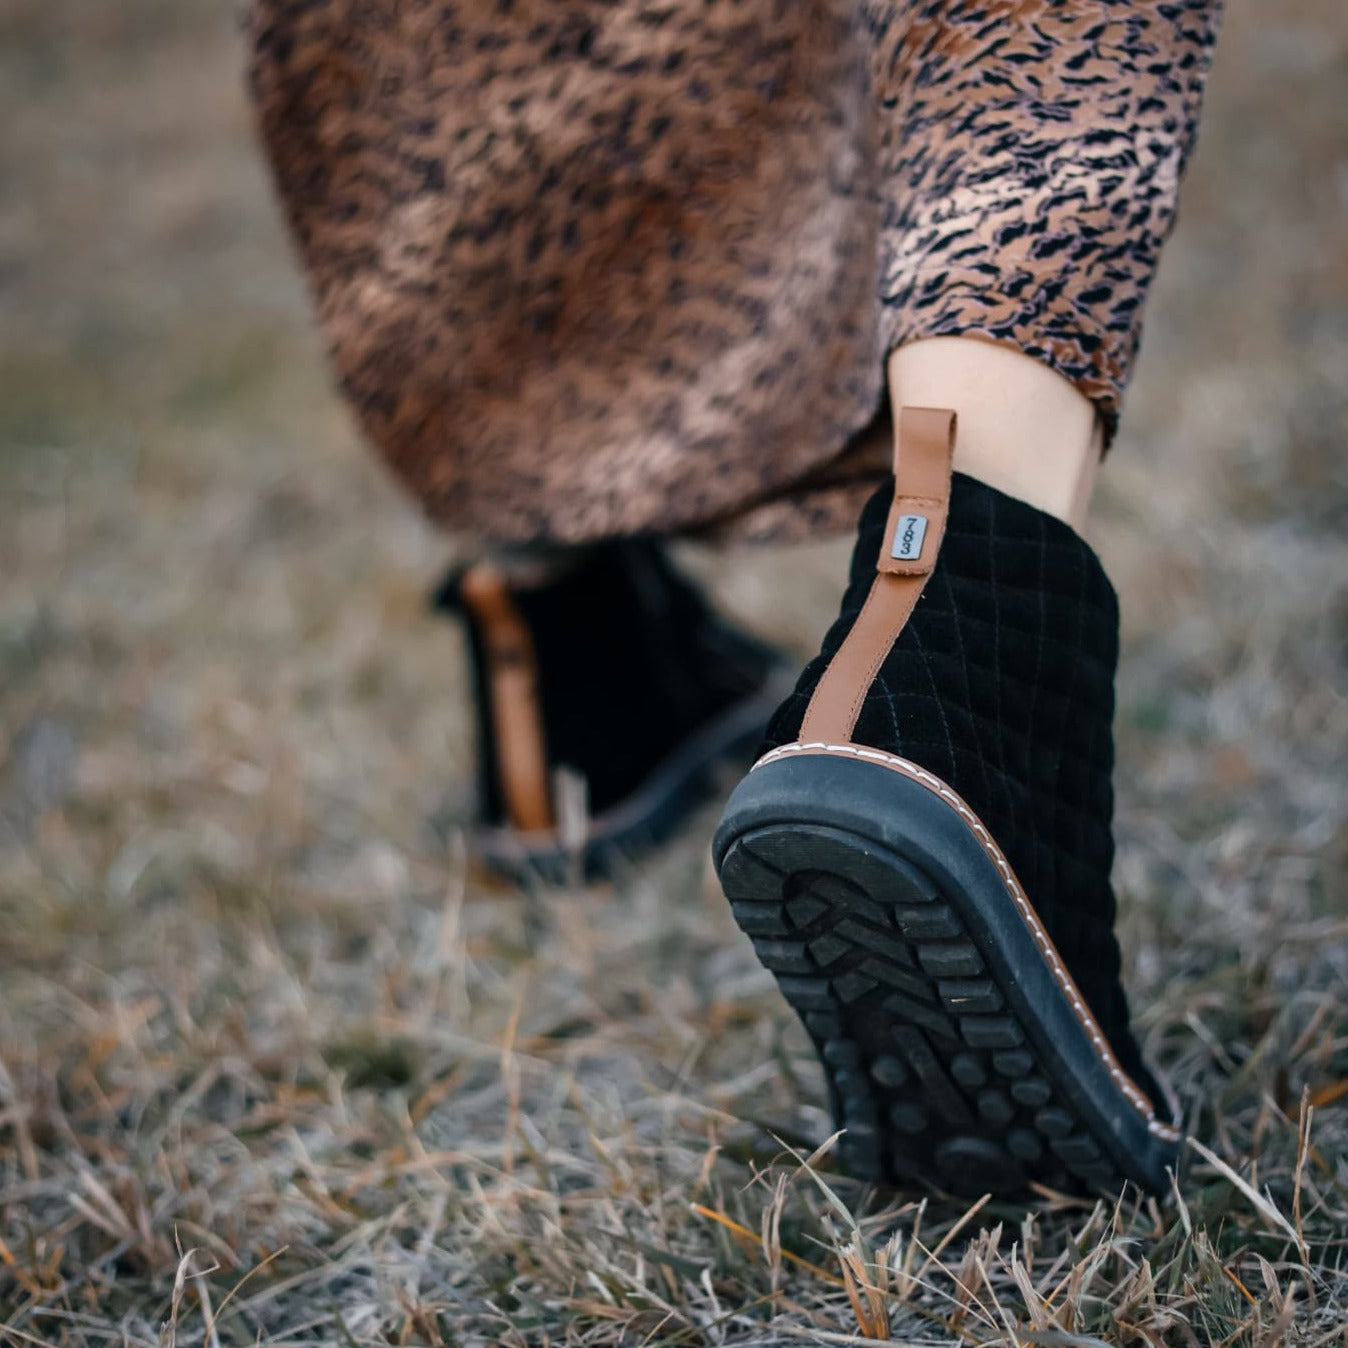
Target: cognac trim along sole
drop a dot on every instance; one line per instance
(956, 1046)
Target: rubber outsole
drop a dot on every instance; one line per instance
(953, 1053)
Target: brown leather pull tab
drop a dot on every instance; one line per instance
(924, 449)
(512, 682)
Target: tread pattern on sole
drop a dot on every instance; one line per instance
(915, 772)
(928, 1072)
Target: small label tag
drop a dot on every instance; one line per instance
(908, 536)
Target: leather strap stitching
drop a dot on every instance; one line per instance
(924, 448)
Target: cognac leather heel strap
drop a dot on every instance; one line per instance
(516, 712)
(923, 453)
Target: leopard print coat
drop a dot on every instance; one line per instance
(599, 267)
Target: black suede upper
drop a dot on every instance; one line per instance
(632, 661)
(1002, 685)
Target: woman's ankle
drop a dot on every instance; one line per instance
(1023, 428)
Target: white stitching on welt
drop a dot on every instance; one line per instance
(933, 783)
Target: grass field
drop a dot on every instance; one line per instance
(274, 1068)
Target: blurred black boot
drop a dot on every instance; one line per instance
(609, 698)
(923, 853)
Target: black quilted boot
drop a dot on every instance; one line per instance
(609, 680)
(922, 854)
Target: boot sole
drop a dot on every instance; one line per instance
(957, 1051)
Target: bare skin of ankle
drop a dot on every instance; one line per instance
(1022, 428)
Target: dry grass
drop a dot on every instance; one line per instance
(274, 1068)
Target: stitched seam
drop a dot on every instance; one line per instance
(978, 720)
(864, 684)
(951, 754)
(1036, 681)
(998, 742)
(1131, 1091)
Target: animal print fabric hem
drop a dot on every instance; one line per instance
(590, 270)
(1030, 160)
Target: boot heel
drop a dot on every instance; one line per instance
(955, 1046)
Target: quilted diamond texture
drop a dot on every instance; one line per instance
(1002, 684)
